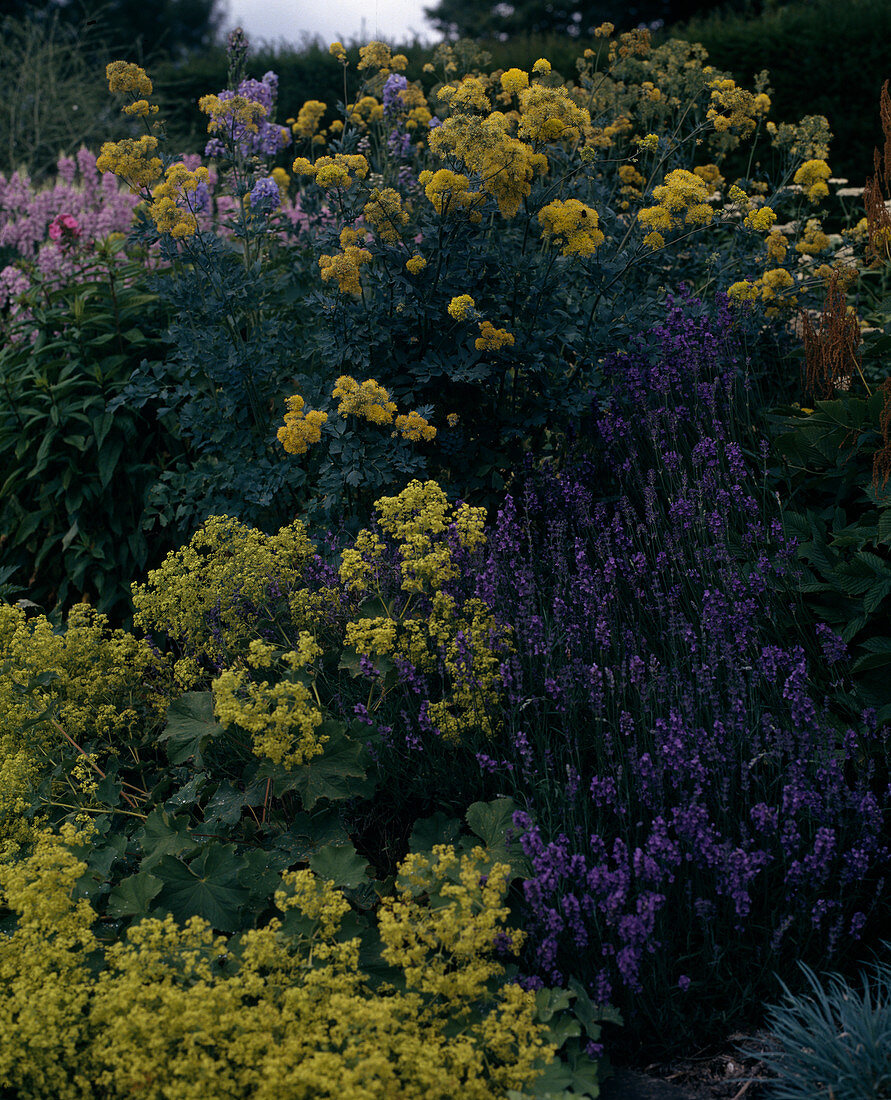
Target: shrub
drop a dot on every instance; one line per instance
(75, 472)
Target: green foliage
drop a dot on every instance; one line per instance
(176, 27)
(75, 473)
(574, 19)
(841, 514)
(841, 81)
(835, 1043)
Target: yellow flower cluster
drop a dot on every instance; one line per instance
(710, 174)
(450, 193)
(760, 219)
(301, 428)
(491, 338)
(170, 206)
(813, 240)
(742, 291)
(573, 223)
(225, 113)
(419, 520)
(123, 77)
(99, 681)
(771, 285)
(308, 118)
(365, 111)
(682, 193)
(369, 401)
(199, 594)
(376, 55)
(548, 114)
(469, 94)
(141, 108)
(338, 52)
(504, 164)
(812, 176)
(282, 717)
(176, 1010)
(384, 211)
(337, 171)
(415, 428)
(733, 109)
(514, 80)
(460, 307)
(776, 246)
(132, 160)
(415, 264)
(345, 268)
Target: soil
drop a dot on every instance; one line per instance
(734, 1072)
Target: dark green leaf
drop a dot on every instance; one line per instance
(340, 863)
(208, 887)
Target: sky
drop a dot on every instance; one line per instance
(330, 19)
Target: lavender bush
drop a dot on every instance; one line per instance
(694, 819)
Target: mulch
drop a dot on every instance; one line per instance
(735, 1073)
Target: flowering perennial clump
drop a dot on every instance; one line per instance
(174, 1007)
(574, 224)
(369, 401)
(682, 193)
(171, 206)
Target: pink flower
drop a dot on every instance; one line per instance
(64, 225)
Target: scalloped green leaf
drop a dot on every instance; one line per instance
(341, 863)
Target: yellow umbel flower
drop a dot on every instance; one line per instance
(505, 165)
(369, 400)
(813, 240)
(461, 306)
(140, 109)
(338, 52)
(337, 171)
(574, 223)
(449, 192)
(131, 159)
(415, 264)
(548, 114)
(344, 267)
(776, 246)
(812, 176)
(761, 219)
(514, 80)
(415, 428)
(376, 55)
(491, 338)
(170, 209)
(542, 65)
(308, 118)
(774, 281)
(710, 174)
(743, 291)
(384, 211)
(300, 428)
(123, 77)
(224, 114)
(682, 193)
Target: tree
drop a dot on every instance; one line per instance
(134, 29)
